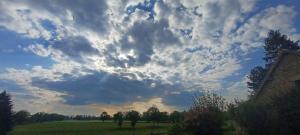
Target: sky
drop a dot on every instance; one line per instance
(88, 56)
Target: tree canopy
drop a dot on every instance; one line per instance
(133, 116)
(6, 114)
(256, 77)
(104, 116)
(275, 42)
(21, 117)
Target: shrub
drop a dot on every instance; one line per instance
(280, 116)
(205, 116)
(288, 107)
(256, 118)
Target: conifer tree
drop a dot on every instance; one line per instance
(6, 119)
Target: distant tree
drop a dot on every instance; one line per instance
(275, 42)
(133, 116)
(44, 117)
(104, 116)
(120, 118)
(256, 77)
(164, 117)
(176, 117)
(21, 117)
(146, 117)
(6, 119)
(115, 117)
(154, 115)
(85, 117)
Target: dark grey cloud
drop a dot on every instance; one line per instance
(102, 87)
(142, 38)
(89, 14)
(74, 46)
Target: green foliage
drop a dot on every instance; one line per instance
(205, 116)
(21, 117)
(6, 119)
(84, 117)
(256, 118)
(176, 117)
(104, 116)
(256, 77)
(133, 116)
(280, 116)
(153, 114)
(45, 117)
(164, 117)
(275, 42)
(288, 107)
(119, 117)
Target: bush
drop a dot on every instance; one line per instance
(280, 116)
(256, 118)
(288, 107)
(206, 115)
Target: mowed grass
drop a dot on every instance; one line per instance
(88, 128)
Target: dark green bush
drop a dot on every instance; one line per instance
(288, 107)
(206, 115)
(256, 118)
(280, 116)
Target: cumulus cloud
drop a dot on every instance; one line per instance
(74, 46)
(139, 41)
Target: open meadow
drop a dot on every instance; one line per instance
(88, 128)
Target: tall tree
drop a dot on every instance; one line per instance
(120, 118)
(275, 42)
(104, 116)
(133, 116)
(6, 119)
(154, 114)
(256, 77)
(176, 117)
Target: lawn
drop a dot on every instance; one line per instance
(87, 128)
(96, 128)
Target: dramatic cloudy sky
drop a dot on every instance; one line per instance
(88, 56)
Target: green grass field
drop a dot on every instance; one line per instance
(87, 128)
(96, 128)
